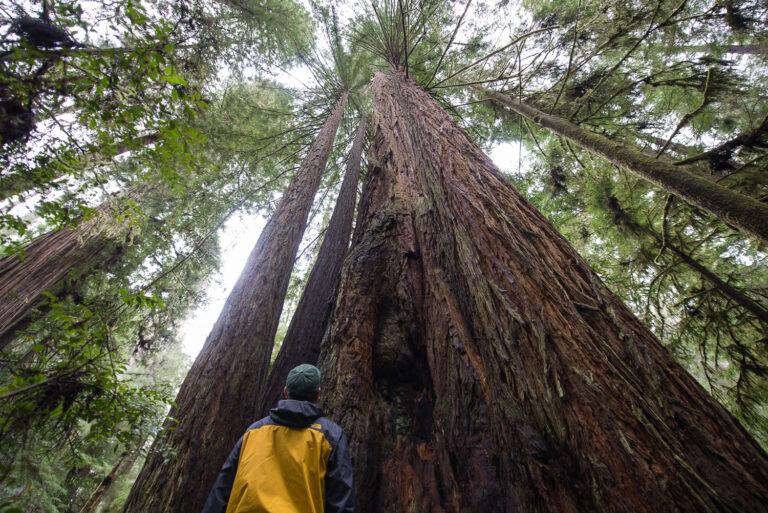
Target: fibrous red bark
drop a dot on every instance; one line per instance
(218, 398)
(477, 363)
(301, 343)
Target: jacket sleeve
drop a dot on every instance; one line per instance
(339, 485)
(219, 496)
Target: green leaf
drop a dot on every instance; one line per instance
(174, 79)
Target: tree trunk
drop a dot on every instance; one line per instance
(218, 398)
(658, 142)
(737, 49)
(743, 212)
(122, 466)
(725, 288)
(310, 321)
(46, 262)
(477, 363)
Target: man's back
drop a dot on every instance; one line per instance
(294, 460)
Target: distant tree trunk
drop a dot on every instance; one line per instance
(681, 149)
(218, 398)
(120, 468)
(301, 343)
(743, 212)
(737, 49)
(725, 288)
(747, 49)
(477, 363)
(46, 262)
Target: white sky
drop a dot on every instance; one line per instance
(237, 238)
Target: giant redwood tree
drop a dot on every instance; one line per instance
(477, 363)
(217, 400)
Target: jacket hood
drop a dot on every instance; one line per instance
(294, 413)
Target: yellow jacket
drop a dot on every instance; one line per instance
(293, 461)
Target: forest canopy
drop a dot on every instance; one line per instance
(132, 132)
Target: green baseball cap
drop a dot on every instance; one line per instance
(303, 382)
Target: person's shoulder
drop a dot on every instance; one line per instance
(330, 429)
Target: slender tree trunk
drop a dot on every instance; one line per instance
(725, 288)
(681, 149)
(743, 212)
(46, 262)
(218, 398)
(310, 321)
(122, 467)
(737, 49)
(722, 153)
(477, 363)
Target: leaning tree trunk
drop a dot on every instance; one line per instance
(46, 262)
(120, 468)
(737, 49)
(477, 363)
(743, 212)
(730, 292)
(218, 398)
(301, 343)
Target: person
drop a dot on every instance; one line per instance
(293, 461)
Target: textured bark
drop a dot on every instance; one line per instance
(310, 321)
(218, 398)
(743, 212)
(477, 363)
(47, 261)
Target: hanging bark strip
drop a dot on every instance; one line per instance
(310, 321)
(743, 212)
(217, 400)
(477, 363)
